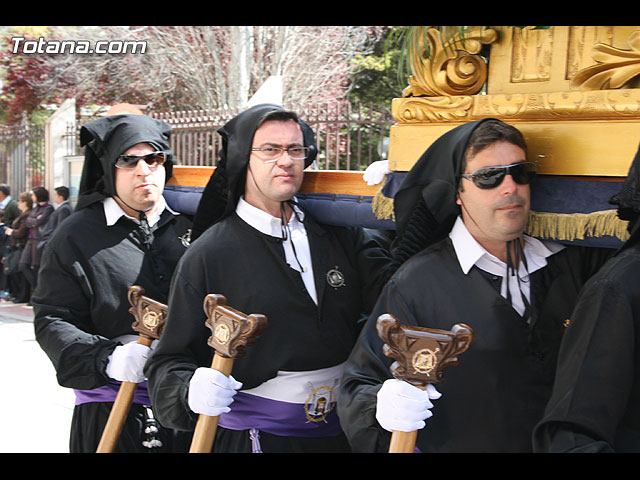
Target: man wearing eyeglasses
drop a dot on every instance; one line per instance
(464, 207)
(121, 234)
(267, 255)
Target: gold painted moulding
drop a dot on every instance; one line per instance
(578, 105)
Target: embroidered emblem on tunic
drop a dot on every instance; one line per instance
(186, 238)
(335, 278)
(319, 403)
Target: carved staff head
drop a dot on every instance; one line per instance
(150, 315)
(231, 331)
(420, 353)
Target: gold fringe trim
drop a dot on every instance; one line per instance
(577, 226)
(556, 226)
(382, 207)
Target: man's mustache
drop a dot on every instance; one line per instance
(511, 200)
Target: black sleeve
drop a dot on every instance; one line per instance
(365, 371)
(373, 259)
(63, 326)
(594, 376)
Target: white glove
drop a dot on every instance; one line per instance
(127, 361)
(375, 172)
(211, 392)
(403, 407)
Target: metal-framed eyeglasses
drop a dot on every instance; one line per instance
(270, 154)
(129, 162)
(490, 177)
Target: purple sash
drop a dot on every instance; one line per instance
(108, 392)
(279, 418)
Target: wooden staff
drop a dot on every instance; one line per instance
(420, 356)
(150, 317)
(231, 332)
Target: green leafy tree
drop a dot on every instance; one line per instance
(375, 80)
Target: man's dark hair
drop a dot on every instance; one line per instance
(4, 188)
(490, 132)
(278, 115)
(63, 192)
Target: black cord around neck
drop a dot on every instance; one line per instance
(286, 230)
(145, 228)
(513, 266)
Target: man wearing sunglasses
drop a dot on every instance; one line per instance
(266, 254)
(460, 216)
(121, 234)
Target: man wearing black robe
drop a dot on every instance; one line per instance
(266, 255)
(595, 406)
(514, 291)
(121, 234)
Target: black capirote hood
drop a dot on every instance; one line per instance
(226, 184)
(109, 137)
(434, 180)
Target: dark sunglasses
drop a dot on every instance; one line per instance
(490, 177)
(129, 162)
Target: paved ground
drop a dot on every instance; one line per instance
(35, 412)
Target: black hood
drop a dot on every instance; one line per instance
(226, 185)
(109, 137)
(426, 199)
(628, 200)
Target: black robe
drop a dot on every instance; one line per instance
(595, 405)
(249, 268)
(81, 303)
(493, 398)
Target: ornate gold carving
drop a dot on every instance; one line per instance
(432, 109)
(581, 39)
(454, 67)
(614, 68)
(624, 102)
(531, 55)
(594, 104)
(510, 105)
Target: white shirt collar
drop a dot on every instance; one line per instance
(471, 253)
(113, 212)
(265, 222)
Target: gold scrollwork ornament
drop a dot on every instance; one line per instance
(614, 67)
(454, 67)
